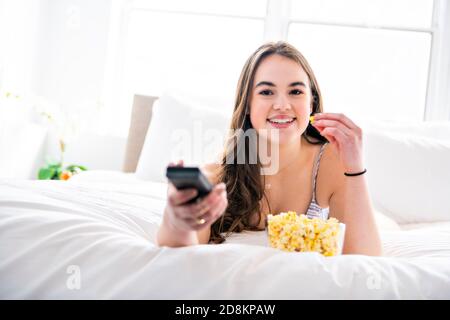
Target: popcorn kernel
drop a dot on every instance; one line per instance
(291, 232)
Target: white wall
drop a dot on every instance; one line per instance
(21, 143)
(71, 50)
(93, 150)
(71, 57)
(18, 21)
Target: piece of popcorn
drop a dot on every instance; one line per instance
(291, 232)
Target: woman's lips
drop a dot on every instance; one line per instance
(281, 123)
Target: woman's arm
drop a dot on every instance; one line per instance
(165, 236)
(351, 204)
(171, 237)
(174, 231)
(350, 200)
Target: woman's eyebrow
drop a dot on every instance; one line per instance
(298, 83)
(271, 84)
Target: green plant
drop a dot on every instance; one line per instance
(56, 171)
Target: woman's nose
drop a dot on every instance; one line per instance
(282, 103)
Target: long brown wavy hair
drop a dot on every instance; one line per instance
(244, 185)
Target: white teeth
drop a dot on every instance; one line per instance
(281, 120)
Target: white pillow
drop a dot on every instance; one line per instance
(181, 129)
(384, 222)
(408, 176)
(436, 130)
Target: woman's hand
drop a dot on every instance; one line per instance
(345, 135)
(196, 216)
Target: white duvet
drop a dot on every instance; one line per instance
(94, 240)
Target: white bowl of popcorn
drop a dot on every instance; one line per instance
(288, 231)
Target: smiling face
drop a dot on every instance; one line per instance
(281, 98)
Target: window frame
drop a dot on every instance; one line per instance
(437, 106)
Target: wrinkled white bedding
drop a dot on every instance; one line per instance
(107, 230)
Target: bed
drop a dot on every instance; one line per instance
(93, 237)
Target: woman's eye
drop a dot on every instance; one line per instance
(296, 92)
(266, 93)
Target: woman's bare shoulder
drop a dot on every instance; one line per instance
(211, 171)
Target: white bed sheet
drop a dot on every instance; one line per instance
(106, 229)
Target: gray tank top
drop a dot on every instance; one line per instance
(314, 210)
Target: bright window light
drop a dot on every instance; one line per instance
(400, 13)
(380, 74)
(197, 54)
(255, 8)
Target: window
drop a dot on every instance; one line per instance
(197, 47)
(372, 58)
(398, 13)
(365, 72)
(199, 53)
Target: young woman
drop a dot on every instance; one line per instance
(320, 162)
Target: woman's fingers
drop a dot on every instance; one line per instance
(337, 117)
(179, 163)
(191, 211)
(211, 216)
(217, 191)
(207, 201)
(211, 198)
(197, 216)
(330, 138)
(336, 134)
(337, 128)
(215, 209)
(217, 206)
(178, 197)
(199, 208)
(325, 123)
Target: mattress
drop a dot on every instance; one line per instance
(94, 238)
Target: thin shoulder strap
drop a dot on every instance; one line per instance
(316, 170)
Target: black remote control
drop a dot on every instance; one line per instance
(189, 177)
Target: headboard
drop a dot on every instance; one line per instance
(141, 115)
